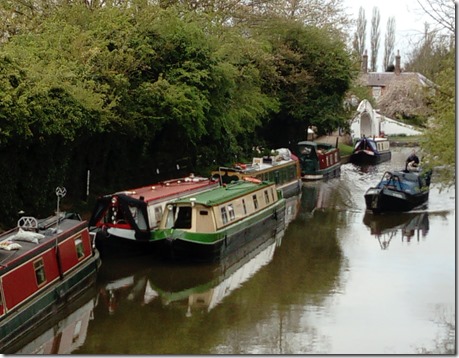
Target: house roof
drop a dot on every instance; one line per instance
(383, 79)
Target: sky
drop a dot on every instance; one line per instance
(409, 23)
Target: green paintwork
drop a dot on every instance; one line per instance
(216, 197)
(224, 193)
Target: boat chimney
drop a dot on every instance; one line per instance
(365, 62)
(397, 69)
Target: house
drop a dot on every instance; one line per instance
(380, 82)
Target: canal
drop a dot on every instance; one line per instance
(338, 280)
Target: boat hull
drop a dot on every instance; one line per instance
(388, 200)
(114, 246)
(215, 246)
(39, 309)
(323, 174)
(291, 189)
(362, 158)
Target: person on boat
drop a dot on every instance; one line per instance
(412, 161)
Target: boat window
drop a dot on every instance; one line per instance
(224, 215)
(170, 216)
(255, 201)
(79, 247)
(305, 150)
(183, 220)
(203, 212)
(266, 197)
(277, 177)
(138, 217)
(232, 216)
(272, 194)
(40, 274)
(158, 213)
(244, 207)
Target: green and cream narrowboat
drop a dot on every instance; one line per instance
(212, 224)
(283, 168)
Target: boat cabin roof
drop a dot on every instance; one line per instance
(316, 145)
(166, 188)
(21, 243)
(224, 193)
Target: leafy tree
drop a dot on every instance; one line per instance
(314, 74)
(439, 144)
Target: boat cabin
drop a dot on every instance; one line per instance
(376, 145)
(133, 214)
(42, 260)
(214, 210)
(317, 156)
(281, 168)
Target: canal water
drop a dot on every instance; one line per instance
(337, 280)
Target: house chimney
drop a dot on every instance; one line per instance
(397, 69)
(365, 62)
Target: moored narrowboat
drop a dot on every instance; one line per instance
(45, 265)
(282, 167)
(122, 222)
(209, 225)
(371, 151)
(318, 160)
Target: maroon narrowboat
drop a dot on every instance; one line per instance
(122, 223)
(45, 264)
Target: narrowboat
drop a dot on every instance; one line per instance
(371, 151)
(283, 168)
(318, 160)
(46, 264)
(398, 191)
(212, 224)
(122, 222)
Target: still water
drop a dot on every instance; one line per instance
(337, 281)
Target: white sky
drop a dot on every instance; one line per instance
(409, 23)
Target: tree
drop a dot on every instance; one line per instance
(314, 73)
(389, 42)
(375, 38)
(360, 33)
(442, 12)
(406, 98)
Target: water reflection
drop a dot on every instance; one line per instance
(192, 288)
(62, 333)
(407, 226)
(196, 287)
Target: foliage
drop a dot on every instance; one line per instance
(406, 98)
(134, 92)
(374, 38)
(314, 72)
(389, 42)
(360, 34)
(439, 143)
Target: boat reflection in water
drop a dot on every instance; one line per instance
(408, 226)
(191, 286)
(62, 333)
